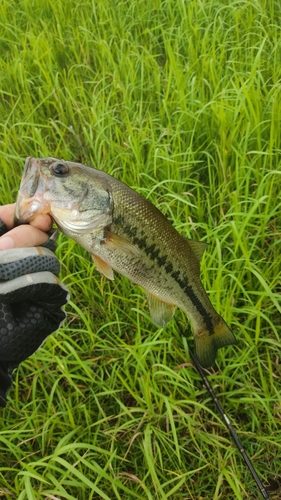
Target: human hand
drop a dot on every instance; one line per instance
(31, 296)
(26, 235)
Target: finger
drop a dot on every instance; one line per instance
(23, 236)
(42, 222)
(7, 214)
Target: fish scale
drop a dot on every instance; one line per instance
(125, 232)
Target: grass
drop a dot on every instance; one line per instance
(180, 100)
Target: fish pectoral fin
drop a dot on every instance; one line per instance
(121, 244)
(198, 248)
(161, 312)
(103, 267)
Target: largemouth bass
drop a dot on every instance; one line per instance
(126, 233)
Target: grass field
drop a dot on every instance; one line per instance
(182, 101)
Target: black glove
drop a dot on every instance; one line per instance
(31, 297)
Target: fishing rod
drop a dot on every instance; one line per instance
(225, 419)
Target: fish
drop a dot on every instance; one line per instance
(126, 233)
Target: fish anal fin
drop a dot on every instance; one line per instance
(103, 267)
(198, 248)
(161, 312)
(120, 244)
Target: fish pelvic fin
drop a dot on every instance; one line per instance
(103, 267)
(160, 312)
(207, 343)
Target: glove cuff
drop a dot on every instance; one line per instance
(22, 261)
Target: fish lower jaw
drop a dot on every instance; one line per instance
(27, 209)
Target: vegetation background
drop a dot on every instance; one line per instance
(180, 100)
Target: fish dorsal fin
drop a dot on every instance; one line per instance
(120, 244)
(103, 267)
(160, 311)
(198, 248)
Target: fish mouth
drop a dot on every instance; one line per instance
(30, 200)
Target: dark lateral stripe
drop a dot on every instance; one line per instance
(188, 290)
(162, 260)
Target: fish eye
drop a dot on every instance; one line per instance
(60, 169)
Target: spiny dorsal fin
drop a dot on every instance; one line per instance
(160, 311)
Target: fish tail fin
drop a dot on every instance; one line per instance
(207, 343)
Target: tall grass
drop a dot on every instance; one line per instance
(180, 100)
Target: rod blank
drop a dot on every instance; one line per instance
(225, 419)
